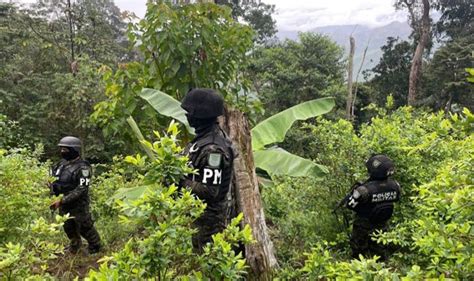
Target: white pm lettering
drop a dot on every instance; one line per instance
(84, 181)
(215, 175)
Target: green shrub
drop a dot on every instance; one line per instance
(431, 230)
(24, 192)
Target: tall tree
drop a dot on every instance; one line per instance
(421, 24)
(291, 72)
(349, 78)
(392, 73)
(36, 72)
(446, 85)
(94, 28)
(257, 14)
(457, 18)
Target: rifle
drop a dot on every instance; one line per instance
(343, 202)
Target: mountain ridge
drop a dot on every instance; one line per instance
(374, 37)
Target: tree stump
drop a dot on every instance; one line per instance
(260, 255)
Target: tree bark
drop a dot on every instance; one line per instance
(350, 68)
(71, 29)
(259, 255)
(416, 64)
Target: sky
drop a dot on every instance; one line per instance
(304, 15)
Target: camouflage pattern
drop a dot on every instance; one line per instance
(212, 155)
(73, 180)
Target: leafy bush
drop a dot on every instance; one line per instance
(23, 185)
(432, 226)
(30, 258)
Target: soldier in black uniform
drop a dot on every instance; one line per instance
(73, 176)
(211, 153)
(372, 202)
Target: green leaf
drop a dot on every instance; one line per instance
(274, 128)
(130, 194)
(166, 105)
(277, 161)
(140, 137)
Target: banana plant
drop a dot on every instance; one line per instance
(273, 160)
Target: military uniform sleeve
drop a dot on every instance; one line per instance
(211, 164)
(359, 195)
(83, 179)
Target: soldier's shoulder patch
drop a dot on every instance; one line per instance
(85, 172)
(376, 163)
(214, 159)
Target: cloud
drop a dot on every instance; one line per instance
(304, 15)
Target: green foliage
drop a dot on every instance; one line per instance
(446, 84)
(166, 105)
(321, 264)
(183, 47)
(470, 71)
(257, 14)
(456, 18)
(277, 161)
(432, 226)
(164, 250)
(441, 233)
(28, 241)
(56, 93)
(167, 164)
(30, 258)
(273, 129)
(191, 46)
(291, 72)
(9, 136)
(391, 73)
(92, 28)
(23, 185)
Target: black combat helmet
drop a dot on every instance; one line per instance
(380, 167)
(71, 142)
(203, 103)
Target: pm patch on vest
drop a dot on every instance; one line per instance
(212, 176)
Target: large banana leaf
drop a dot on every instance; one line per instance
(277, 161)
(166, 105)
(274, 128)
(140, 137)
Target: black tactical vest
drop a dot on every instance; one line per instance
(199, 150)
(379, 206)
(67, 175)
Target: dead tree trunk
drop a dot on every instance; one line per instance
(416, 64)
(349, 79)
(354, 97)
(260, 255)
